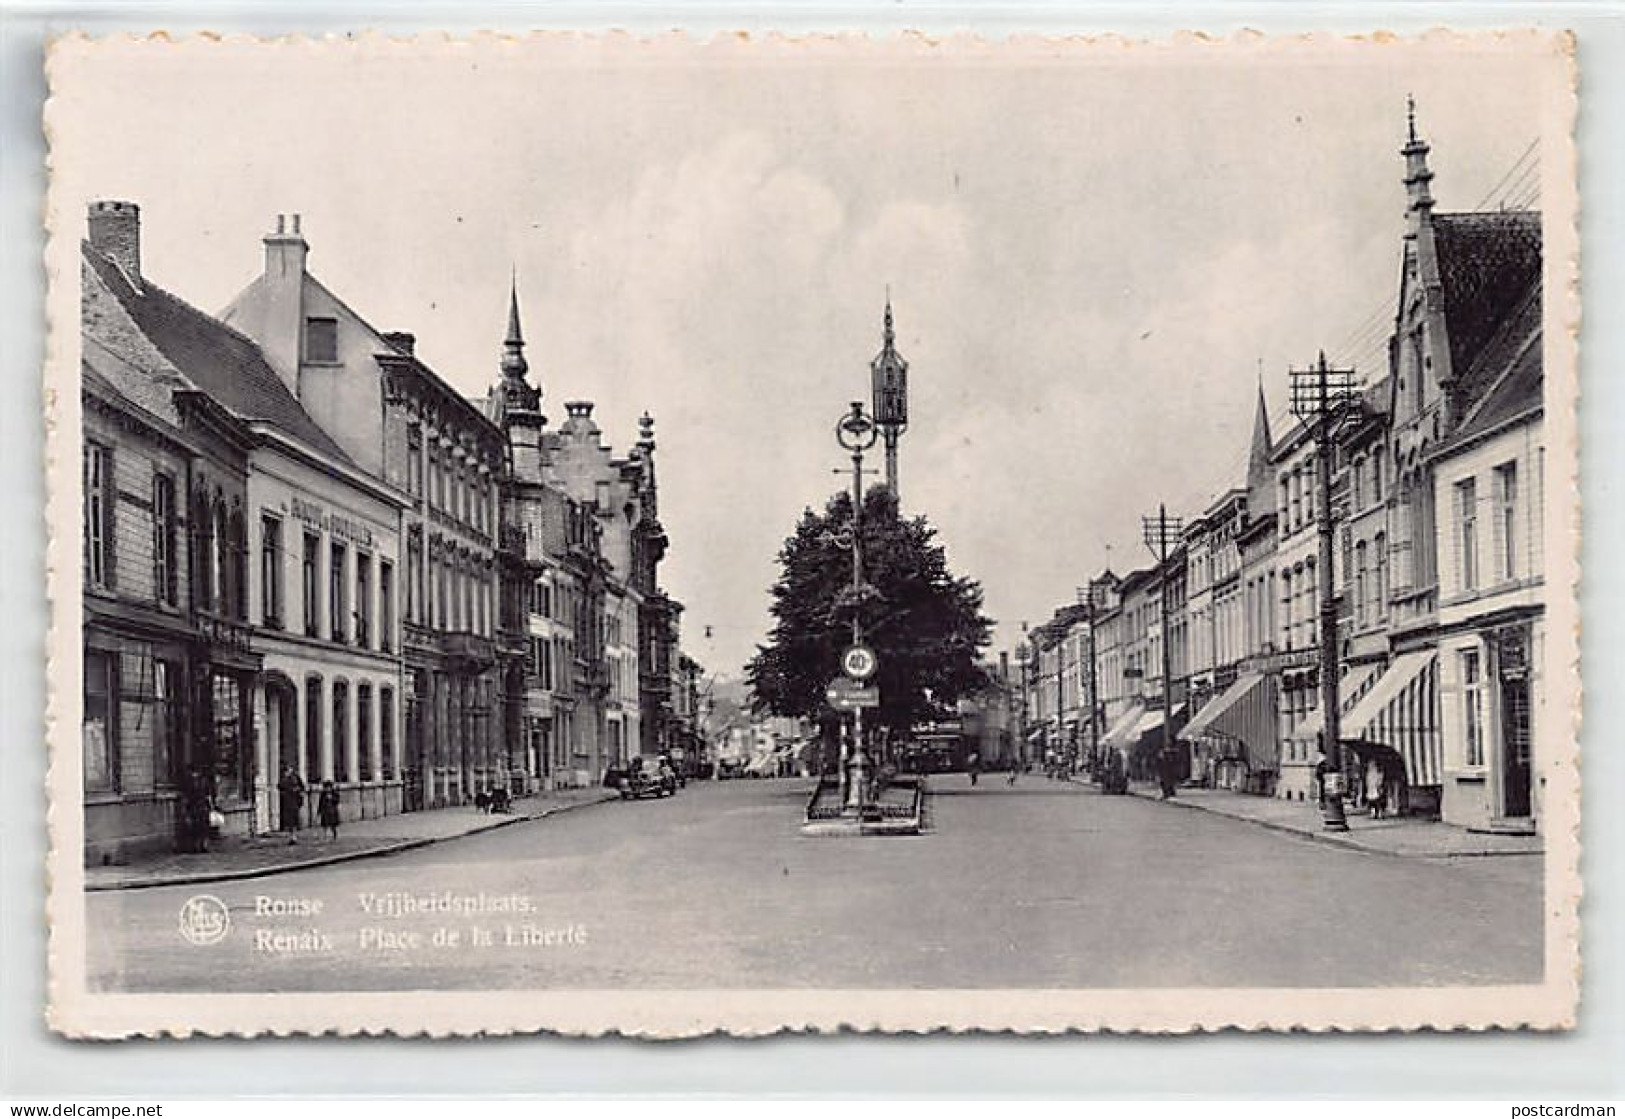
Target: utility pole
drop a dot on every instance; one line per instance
(1322, 397)
(1160, 533)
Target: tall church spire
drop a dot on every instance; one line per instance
(1260, 480)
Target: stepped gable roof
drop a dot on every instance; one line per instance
(1486, 263)
(225, 365)
(1509, 375)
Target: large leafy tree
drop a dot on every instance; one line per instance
(924, 622)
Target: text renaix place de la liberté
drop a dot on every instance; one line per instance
(469, 921)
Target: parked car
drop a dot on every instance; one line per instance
(651, 779)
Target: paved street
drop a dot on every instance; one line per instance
(1046, 884)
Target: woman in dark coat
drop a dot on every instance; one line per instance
(327, 809)
(291, 795)
(197, 801)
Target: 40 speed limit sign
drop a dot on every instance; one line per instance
(858, 662)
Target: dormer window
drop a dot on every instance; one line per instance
(322, 340)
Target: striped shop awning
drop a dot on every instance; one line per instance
(1401, 711)
(1242, 716)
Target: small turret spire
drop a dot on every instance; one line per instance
(515, 337)
(890, 336)
(1418, 193)
(514, 365)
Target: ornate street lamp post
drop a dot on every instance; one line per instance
(856, 433)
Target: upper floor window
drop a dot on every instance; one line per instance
(414, 461)
(321, 340)
(1466, 495)
(163, 539)
(1506, 520)
(386, 605)
(271, 571)
(312, 584)
(363, 599)
(338, 592)
(98, 515)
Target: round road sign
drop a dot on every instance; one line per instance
(859, 662)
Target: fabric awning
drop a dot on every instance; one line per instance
(1120, 733)
(1356, 682)
(1401, 711)
(1147, 733)
(1242, 716)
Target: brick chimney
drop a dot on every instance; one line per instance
(281, 326)
(115, 232)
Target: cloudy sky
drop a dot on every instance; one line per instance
(1093, 255)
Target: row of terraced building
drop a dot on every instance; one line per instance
(1438, 569)
(305, 551)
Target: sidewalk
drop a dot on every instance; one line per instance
(254, 856)
(1406, 835)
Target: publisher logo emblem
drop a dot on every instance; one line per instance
(205, 919)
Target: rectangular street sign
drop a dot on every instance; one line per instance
(847, 696)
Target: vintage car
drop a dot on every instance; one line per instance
(648, 780)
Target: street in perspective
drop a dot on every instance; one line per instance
(804, 556)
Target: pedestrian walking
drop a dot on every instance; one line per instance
(327, 809)
(1376, 792)
(1167, 775)
(974, 765)
(291, 799)
(197, 804)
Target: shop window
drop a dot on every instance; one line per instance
(169, 722)
(231, 770)
(1472, 703)
(99, 731)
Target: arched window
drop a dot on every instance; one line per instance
(313, 730)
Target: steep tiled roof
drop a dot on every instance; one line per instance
(151, 390)
(1487, 262)
(1509, 375)
(215, 358)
